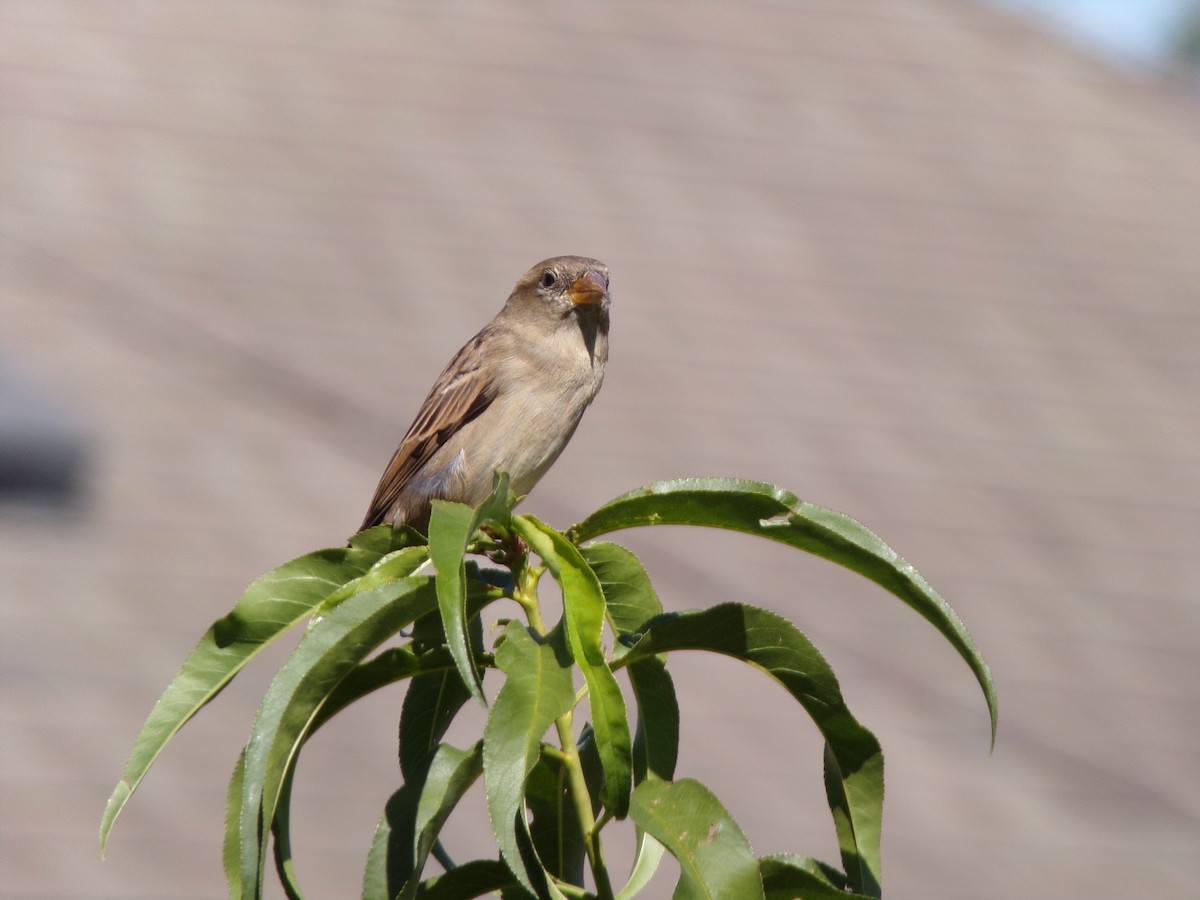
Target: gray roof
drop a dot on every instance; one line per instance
(913, 261)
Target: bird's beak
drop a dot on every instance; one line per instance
(589, 289)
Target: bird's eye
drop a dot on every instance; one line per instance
(548, 278)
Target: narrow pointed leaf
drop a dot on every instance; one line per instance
(269, 607)
(450, 775)
(553, 827)
(628, 594)
(384, 539)
(774, 645)
(430, 705)
(390, 859)
(451, 527)
(388, 667)
(231, 851)
(645, 863)
(536, 691)
(330, 649)
(630, 603)
(655, 752)
(768, 511)
(474, 879)
(863, 872)
(281, 834)
(787, 877)
(589, 764)
(656, 744)
(584, 609)
(391, 567)
(715, 859)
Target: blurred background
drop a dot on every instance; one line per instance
(934, 263)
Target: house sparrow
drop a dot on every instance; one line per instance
(509, 400)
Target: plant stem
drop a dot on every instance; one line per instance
(572, 890)
(525, 578)
(526, 593)
(583, 806)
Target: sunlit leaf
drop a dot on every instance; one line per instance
(450, 775)
(656, 744)
(774, 645)
(281, 835)
(328, 652)
(788, 877)
(768, 511)
(430, 705)
(655, 751)
(391, 567)
(231, 850)
(451, 527)
(536, 691)
(553, 827)
(631, 602)
(648, 855)
(628, 593)
(473, 879)
(715, 859)
(269, 607)
(390, 859)
(584, 609)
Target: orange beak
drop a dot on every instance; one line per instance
(589, 289)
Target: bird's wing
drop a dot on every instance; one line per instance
(463, 391)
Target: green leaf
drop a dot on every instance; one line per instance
(788, 877)
(536, 691)
(772, 512)
(383, 539)
(281, 832)
(269, 607)
(655, 753)
(584, 609)
(330, 649)
(774, 645)
(656, 745)
(231, 851)
(430, 705)
(472, 879)
(392, 567)
(450, 775)
(628, 594)
(590, 766)
(451, 527)
(390, 859)
(554, 829)
(387, 667)
(715, 859)
(645, 863)
(863, 871)
(631, 602)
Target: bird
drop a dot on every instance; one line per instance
(508, 401)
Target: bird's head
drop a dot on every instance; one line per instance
(563, 287)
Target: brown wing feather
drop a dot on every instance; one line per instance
(462, 392)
